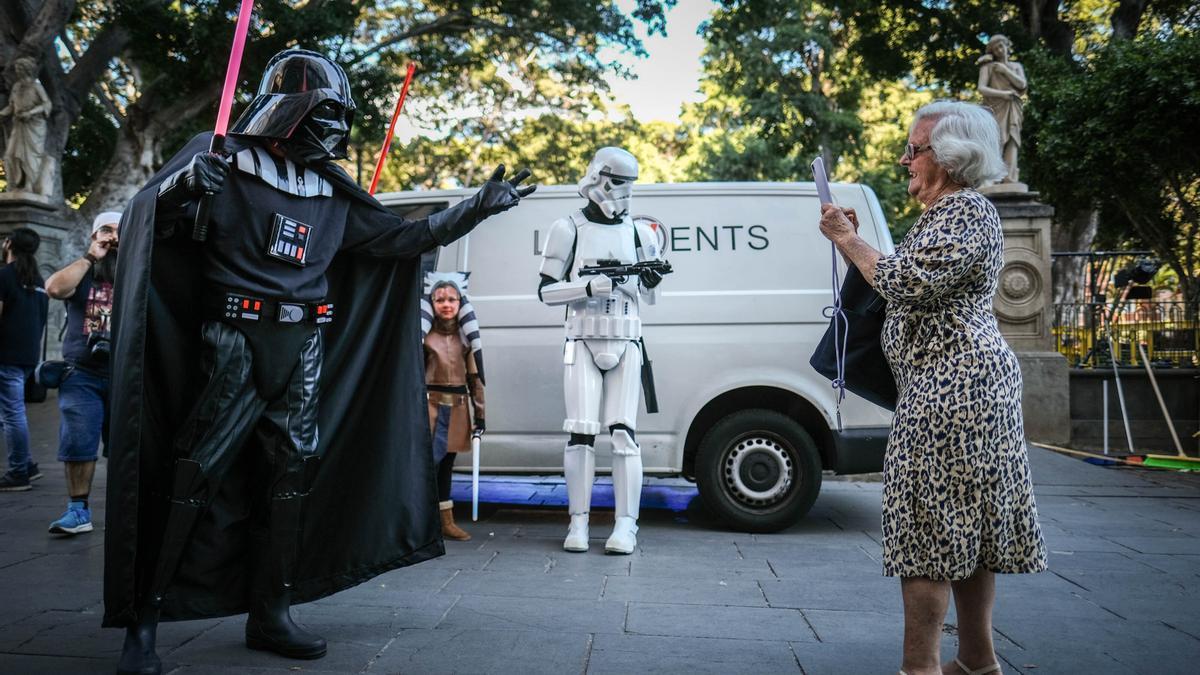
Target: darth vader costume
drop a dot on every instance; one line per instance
(230, 489)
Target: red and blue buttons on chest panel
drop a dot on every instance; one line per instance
(289, 240)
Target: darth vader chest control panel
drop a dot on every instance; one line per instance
(289, 240)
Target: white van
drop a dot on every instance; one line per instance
(741, 411)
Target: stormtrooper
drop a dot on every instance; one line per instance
(598, 262)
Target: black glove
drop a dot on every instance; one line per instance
(206, 173)
(480, 427)
(497, 195)
(650, 278)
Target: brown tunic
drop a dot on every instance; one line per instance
(448, 363)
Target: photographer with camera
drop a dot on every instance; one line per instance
(86, 286)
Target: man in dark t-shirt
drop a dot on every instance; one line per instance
(23, 305)
(86, 286)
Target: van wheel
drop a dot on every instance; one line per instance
(758, 470)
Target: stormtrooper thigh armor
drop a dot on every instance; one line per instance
(602, 399)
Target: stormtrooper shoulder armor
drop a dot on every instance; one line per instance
(558, 251)
(647, 243)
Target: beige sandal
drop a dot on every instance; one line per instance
(994, 668)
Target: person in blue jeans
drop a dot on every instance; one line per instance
(86, 285)
(23, 305)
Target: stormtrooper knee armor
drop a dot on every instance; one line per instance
(602, 354)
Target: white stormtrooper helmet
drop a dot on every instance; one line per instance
(609, 180)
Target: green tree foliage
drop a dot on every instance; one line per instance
(156, 68)
(785, 81)
(1119, 133)
(793, 87)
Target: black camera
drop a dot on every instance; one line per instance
(99, 348)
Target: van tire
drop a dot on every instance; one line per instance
(758, 470)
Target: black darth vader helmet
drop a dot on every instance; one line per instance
(304, 99)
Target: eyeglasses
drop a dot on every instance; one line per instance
(911, 150)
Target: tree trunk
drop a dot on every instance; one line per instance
(135, 158)
(1043, 22)
(1127, 17)
(138, 153)
(58, 127)
(1068, 274)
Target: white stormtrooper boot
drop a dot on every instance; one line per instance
(579, 465)
(627, 493)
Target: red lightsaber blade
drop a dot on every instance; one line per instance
(387, 141)
(200, 229)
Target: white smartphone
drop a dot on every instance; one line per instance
(822, 181)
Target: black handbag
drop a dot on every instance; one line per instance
(50, 374)
(867, 372)
(35, 392)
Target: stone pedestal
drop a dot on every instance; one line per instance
(1023, 309)
(25, 209)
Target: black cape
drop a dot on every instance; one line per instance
(373, 506)
(867, 371)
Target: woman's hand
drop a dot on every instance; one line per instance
(838, 223)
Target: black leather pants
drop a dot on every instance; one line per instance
(227, 414)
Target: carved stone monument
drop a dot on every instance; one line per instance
(1023, 310)
(1002, 85)
(29, 172)
(27, 167)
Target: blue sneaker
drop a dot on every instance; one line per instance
(75, 521)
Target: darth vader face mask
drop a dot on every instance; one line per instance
(303, 103)
(322, 134)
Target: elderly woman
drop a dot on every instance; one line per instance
(957, 498)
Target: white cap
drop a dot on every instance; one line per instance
(107, 218)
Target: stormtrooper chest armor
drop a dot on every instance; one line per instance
(614, 316)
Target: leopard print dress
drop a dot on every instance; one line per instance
(957, 493)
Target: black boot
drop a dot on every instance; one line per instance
(138, 656)
(270, 628)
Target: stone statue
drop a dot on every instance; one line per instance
(1002, 84)
(28, 110)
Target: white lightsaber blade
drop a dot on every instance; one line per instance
(474, 478)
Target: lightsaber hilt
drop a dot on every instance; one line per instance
(217, 145)
(204, 210)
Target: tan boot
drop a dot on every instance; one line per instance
(449, 529)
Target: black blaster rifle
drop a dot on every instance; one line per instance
(619, 271)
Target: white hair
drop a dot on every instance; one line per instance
(965, 141)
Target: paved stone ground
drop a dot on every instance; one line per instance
(1123, 595)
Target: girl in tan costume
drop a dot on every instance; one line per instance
(453, 381)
